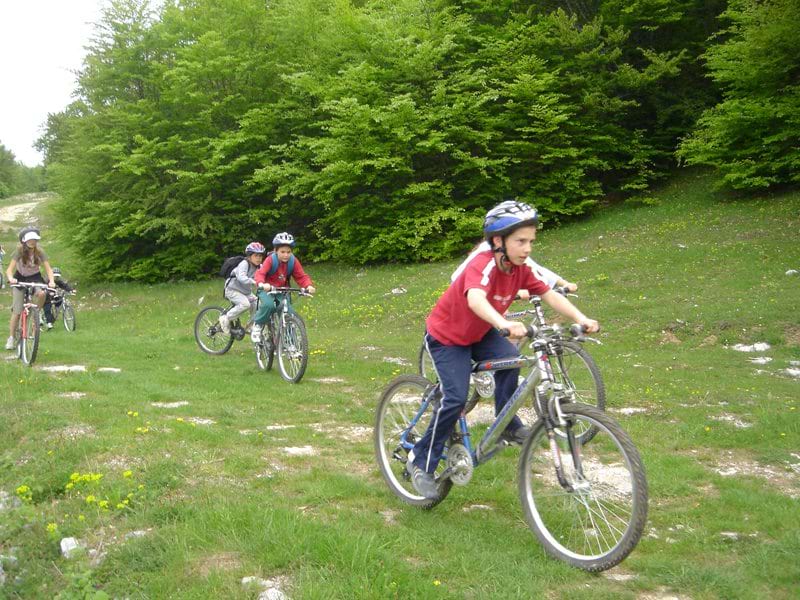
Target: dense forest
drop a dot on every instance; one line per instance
(16, 178)
(383, 130)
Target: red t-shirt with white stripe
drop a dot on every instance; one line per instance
(453, 323)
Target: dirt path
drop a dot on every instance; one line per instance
(15, 213)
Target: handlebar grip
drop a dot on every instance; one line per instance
(504, 332)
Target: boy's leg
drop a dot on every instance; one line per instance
(493, 346)
(48, 310)
(452, 365)
(266, 306)
(241, 303)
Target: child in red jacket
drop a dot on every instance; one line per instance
(269, 276)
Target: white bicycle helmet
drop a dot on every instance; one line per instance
(508, 216)
(283, 239)
(255, 248)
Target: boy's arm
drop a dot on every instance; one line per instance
(12, 266)
(564, 307)
(301, 277)
(477, 302)
(241, 274)
(261, 274)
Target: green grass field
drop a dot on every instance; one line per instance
(179, 475)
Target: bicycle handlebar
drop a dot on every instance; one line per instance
(24, 284)
(284, 290)
(576, 330)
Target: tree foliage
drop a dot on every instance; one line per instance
(753, 136)
(16, 178)
(374, 131)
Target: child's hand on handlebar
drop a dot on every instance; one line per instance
(515, 329)
(590, 325)
(311, 290)
(267, 287)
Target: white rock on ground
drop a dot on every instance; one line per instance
(109, 370)
(300, 451)
(170, 404)
(69, 546)
(760, 360)
(64, 369)
(792, 272)
(757, 347)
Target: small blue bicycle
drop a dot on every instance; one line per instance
(581, 480)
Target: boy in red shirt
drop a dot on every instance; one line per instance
(463, 325)
(283, 245)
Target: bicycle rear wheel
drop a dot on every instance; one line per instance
(208, 332)
(574, 367)
(29, 342)
(595, 517)
(400, 421)
(68, 315)
(293, 349)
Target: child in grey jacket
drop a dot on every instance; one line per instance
(239, 285)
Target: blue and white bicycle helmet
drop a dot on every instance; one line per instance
(283, 239)
(255, 248)
(508, 216)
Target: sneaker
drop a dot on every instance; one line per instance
(255, 333)
(10, 343)
(516, 436)
(49, 326)
(424, 482)
(225, 323)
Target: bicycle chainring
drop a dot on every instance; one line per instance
(459, 463)
(484, 384)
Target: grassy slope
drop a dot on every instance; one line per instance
(224, 500)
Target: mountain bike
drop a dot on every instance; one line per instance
(28, 328)
(573, 366)
(61, 306)
(208, 332)
(586, 502)
(284, 335)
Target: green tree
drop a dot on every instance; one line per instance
(752, 137)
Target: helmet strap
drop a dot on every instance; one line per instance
(505, 263)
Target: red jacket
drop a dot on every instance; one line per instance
(279, 278)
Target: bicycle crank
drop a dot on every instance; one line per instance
(459, 464)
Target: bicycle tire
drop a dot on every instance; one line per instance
(426, 370)
(265, 352)
(293, 349)
(596, 527)
(68, 315)
(575, 368)
(29, 344)
(398, 406)
(208, 332)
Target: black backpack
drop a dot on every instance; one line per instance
(229, 265)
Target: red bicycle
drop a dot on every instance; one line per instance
(28, 328)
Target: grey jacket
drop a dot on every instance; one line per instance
(241, 279)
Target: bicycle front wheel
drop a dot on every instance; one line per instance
(574, 367)
(401, 420)
(265, 351)
(29, 343)
(593, 516)
(208, 332)
(293, 349)
(68, 315)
